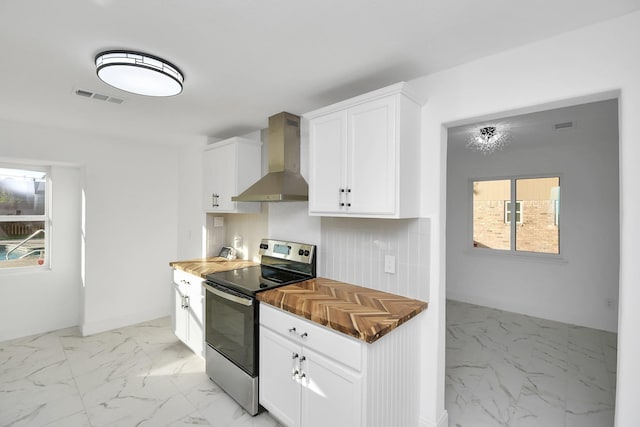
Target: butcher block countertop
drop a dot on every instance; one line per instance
(203, 266)
(363, 313)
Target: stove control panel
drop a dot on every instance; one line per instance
(293, 251)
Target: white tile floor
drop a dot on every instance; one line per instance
(507, 369)
(503, 369)
(140, 375)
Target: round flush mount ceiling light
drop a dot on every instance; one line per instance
(139, 73)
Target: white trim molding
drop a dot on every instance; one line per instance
(442, 422)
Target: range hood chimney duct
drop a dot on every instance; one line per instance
(283, 182)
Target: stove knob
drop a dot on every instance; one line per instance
(306, 253)
(300, 252)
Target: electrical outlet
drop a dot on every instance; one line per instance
(390, 264)
(218, 221)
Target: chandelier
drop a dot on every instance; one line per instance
(488, 139)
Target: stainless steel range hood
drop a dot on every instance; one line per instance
(283, 182)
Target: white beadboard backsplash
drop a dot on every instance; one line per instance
(353, 251)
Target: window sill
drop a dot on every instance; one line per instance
(20, 269)
(519, 256)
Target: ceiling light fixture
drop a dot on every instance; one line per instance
(139, 73)
(488, 139)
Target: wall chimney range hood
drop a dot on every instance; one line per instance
(283, 182)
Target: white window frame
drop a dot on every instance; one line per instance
(507, 211)
(512, 251)
(46, 217)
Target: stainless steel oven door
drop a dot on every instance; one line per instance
(231, 324)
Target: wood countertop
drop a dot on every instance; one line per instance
(203, 266)
(363, 313)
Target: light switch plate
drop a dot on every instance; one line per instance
(390, 264)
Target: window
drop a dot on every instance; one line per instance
(538, 231)
(507, 211)
(23, 217)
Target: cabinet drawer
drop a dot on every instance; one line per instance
(183, 278)
(330, 343)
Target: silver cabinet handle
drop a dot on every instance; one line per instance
(214, 200)
(186, 302)
(294, 331)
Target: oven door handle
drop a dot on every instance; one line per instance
(230, 297)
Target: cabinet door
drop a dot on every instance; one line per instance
(180, 327)
(371, 167)
(279, 389)
(219, 171)
(195, 324)
(328, 155)
(331, 393)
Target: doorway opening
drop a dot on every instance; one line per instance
(532, 270)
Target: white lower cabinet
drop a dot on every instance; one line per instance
(312, 376)
(279, 389)
(330, 392)
(188, 310)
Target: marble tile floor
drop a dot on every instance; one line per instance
(511, 370)
(140, 375)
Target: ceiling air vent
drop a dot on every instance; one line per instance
(84, 93)
(565, 125)
(98, 96)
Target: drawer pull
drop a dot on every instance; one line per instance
(303, 335)
(295, 356)
(292, 330)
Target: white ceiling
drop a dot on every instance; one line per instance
(539, 126)
(245, 60)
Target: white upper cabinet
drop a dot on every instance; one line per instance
(229, 167)
(364, 156)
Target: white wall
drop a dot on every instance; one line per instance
(291, 221)
(574, 66)
(130, 235)
(191, 217)
(33, 301)
(576, 288)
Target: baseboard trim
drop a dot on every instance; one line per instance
(91, 328)
(443, 421)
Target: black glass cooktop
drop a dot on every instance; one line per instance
(250, 280)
